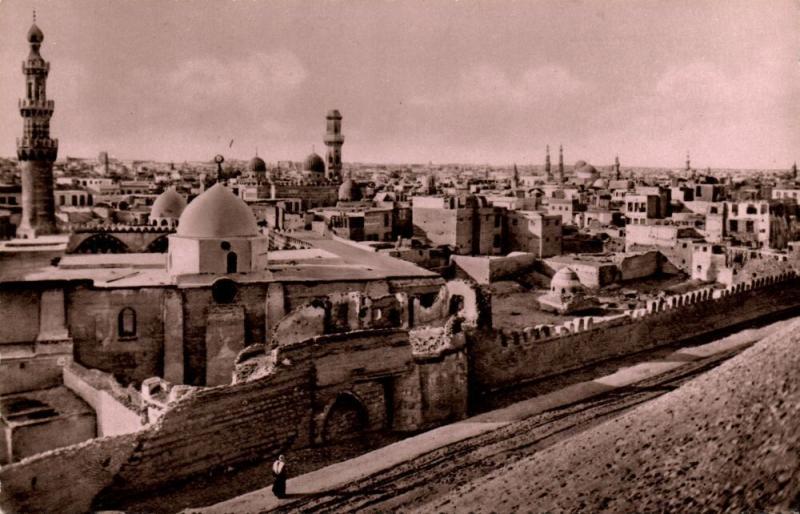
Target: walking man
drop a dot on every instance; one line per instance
(279, 472)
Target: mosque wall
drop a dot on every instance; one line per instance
(313, 195)
(120, 331)
(503, 358)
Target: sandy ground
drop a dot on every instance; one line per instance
(727, 441)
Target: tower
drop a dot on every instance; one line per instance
(560, 164)
(515, 178)
(617, 174)
(334, 141)
(688, 163)
(794, 171)
(36, 151)
(548, 173)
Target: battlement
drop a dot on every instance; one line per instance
(118, 227)
(690, 300)
(306, 183)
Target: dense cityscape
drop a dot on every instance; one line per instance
(406, 336)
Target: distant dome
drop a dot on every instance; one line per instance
(349, 191)
(314, 163)
(257, 164)
(586, 172)
(217, 213)
(600, 183)
(565, 281)
(169, 204)
(35, 34)
(578, 165)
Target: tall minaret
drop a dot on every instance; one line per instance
(617, 174)
(515, 178)
(794, 171)
(334, 141)
(35, 149)
(688, 163)
(547, 171)
(561, 164)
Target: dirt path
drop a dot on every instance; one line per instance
(416, 483)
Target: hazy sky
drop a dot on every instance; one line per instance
(468, 81)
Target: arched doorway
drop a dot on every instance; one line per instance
(346, 419)
(232, 262)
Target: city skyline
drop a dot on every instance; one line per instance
(469, 82)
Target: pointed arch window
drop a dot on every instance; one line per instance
(126, 323)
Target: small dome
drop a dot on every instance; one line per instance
(35, 34)
(169, 204)
(314, 163)
(565, 281)
(349, 191)
(579, 164)
(257, 164)
(217, 213)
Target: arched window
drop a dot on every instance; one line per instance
(232, 262)
(126, 323)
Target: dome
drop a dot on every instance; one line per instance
(586, 172)
(217, 213)
(600, 183)
(349, 191)
(579, 164)
(334, 113)
(314, 163)
(35, 34)
(169, 204)
(565, 281)
(257, 164)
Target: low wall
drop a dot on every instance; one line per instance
(504, 358)
(113, 416)
(236, 423)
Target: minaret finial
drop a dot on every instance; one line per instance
(34, 15)
(256, 151)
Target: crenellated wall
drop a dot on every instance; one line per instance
(502, 358)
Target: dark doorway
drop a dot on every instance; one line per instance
(232, 264)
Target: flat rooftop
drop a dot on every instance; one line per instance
(36, 406)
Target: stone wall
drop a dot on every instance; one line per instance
(503, 358)
(115, 408)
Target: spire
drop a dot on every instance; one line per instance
(617, 175)
(794, 170)
(547, 164)
(515, 177)
(688, 162)
(561, 164)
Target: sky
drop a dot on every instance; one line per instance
(416, 81)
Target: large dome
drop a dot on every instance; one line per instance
(169, 204)
(586, 172)
(314, 163)
(216, 214)
(257, 164)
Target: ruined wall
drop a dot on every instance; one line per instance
(503, 358)
(113, 406)
(28, 374)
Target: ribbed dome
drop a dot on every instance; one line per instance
(35, 34)
(169, 204)
(257, 164)
(217, 213)
(314, 163)
(349, 191)
(565, 280)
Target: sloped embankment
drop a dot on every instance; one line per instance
(728, 441)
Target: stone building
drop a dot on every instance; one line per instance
(468, 224)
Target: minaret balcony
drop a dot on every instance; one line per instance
(36, 142)
(30, 149)
(34, 66)
(36, 105)
(332, 139)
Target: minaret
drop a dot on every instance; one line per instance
(547, 171)
(515, 178)
(35, 149)
(617, 174)
(334, 141)
(688, 163)
(794, 171)
(560, 164)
